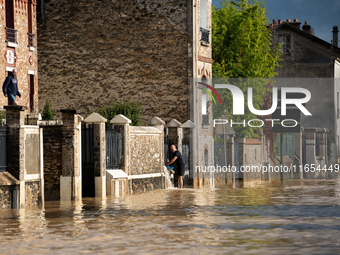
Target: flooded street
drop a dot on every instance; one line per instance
(292, 217)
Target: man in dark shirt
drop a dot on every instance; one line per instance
(10, 88)
(178, 159)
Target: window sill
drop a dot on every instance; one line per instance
(31, 48)
(205, 44)
(11, 44)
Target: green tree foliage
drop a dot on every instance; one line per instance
(130, 109)
(2, 117)
(47, 112)
(242, 48)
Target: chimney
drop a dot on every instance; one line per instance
(335, 36)
(279, 21)
(274, 21)
(287, 20)
(296, 24)
(306, 27)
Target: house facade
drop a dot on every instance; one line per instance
(18, 47)
(153, 52)
(314, 64)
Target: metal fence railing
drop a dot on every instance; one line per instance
(11, 35)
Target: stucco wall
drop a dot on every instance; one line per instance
(94, 51)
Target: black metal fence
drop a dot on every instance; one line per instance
(3, 162)
(30, 39)
(113, 148)
(88, 174)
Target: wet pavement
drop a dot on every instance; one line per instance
(293, 217)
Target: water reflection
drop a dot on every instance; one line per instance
(296, 216)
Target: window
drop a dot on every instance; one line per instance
(284, 41)
(204, 22)
(11, 33)
(204, 99)
(204, 12)
(30, 26)
(337, 105)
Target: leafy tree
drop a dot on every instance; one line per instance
(130, 109)
(47, 112)
(242, 48)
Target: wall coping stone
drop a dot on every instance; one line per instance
(120, 119)
(173, 123)
(189, 124)
(15, 107)
(95, 118)
(144, 130)
(156, 121)
(6, 179)
(114, 173)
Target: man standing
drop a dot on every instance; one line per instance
(178, 159)
(10, 88)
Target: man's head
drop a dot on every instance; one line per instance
(173, 148)
(14, 72)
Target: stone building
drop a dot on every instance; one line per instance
(18, 23)
(313, 64)
(91, 52)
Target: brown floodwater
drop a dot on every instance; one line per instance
(293, 217)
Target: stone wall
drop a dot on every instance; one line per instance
(52, 161)
(145, 146)
(25, 59)
(147, 184)
(94, 51)
(33, 196)
(6, 193)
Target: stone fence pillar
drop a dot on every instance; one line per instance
(310, 145)
(188, 134)
(24, 158)
(99, 153)
(159, 124)
(70, 181)
(241, 160)
(122, 123)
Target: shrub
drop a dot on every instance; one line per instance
(2, 117)
(130, 109)
(47, 113)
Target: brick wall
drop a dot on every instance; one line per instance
(23, 53)
(94, 51)
(52, 161)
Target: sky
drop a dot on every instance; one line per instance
(321, 15)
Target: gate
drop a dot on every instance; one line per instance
(166, 150)
(87, 149)
(3, 162)
(186, 155)
(113, 148)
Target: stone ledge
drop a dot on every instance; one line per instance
(6, 179)
(144, 130)
(15, 107)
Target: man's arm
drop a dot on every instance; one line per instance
(4, 86)
(171, 161)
